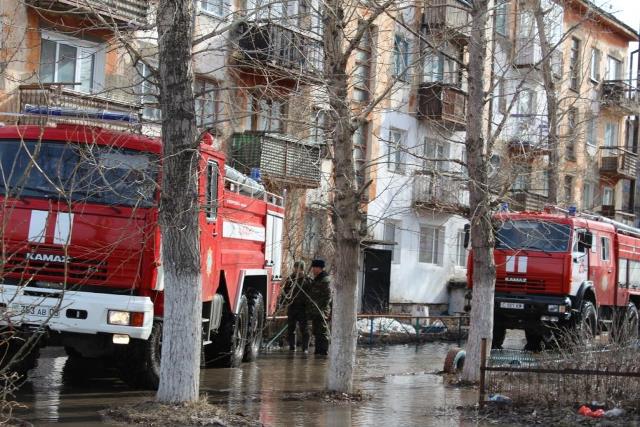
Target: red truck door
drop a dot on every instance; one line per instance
(604, 276)
(210, 186)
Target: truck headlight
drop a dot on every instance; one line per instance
(553, 308)
(125, 318)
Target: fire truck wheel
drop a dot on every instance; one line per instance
(587, 325)
(256, 325)
(631, 324)
(534, 340)
(499, 333)
(227, 347)
(454, 361)
(139, 364)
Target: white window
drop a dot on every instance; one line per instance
(436, 149)
(215, 7)
(392, 233)
(614, 68)
(526, 104)
(148, 92)
(596, 57)
(591, 131)
(397, 150)
(607, 196)
(207, 103)
(68, 60)
(267, 114)
(611, 135)
(431, 245)
(400, 57)
(588, 190)
(461, 251)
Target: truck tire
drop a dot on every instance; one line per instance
(586, 325)
(454, 361)
(256, 325)
(534, 340)
(631, 324)
(228, 345)
(139, 361)
(499, 333)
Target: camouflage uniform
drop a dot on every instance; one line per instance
(295, 291)
(318, 310)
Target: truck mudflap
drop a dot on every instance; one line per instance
(74, 311)
(525, 311)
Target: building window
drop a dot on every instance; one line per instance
(431, 245)
(605, 251)
(591, 123)
(568, 188)
(397, 150)
(570, 140)
(362, 68)
(318, 134)
(588, 193)
(501, 18)
(526, 104)
(614, 68)
(436, 149)
(67, 60)
(443, 66)
(148, 92)
(207, 103)
(215, 7)
(574, 64)
(596, 57)
(212, 191)
(461, 251)
(611, 135)
(608, 196)
(400, 57)
(267, 115)
(392, 234)
(312, 232)
(360, 138)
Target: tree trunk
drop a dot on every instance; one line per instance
(346, 216)
(180, 367)
(482, 238)
(553, 167)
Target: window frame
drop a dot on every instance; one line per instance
(204, 9)
(574, 64)
(209, 88)
(594, 67)
(397, 165)
(436, 241)
(211, 206)
(605, 248)
(400, 57)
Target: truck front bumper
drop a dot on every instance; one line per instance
(531, 311)
(72, 311)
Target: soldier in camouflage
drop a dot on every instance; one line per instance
(320, 306)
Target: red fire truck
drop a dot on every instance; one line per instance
(558, 270)
(81, 247)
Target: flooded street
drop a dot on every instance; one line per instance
(400, 380)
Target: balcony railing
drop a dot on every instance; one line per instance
(447, 16)
(527, 134)
(440, 192)
(279, 48)
(621, 94)
(444, 103)
(280, 158)
(53, 103)
(120, 12)
(522, 200)
(617, 163)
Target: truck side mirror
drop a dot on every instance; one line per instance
(467, 235)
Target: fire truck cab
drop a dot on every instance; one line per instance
(81, 248)
(560, 270)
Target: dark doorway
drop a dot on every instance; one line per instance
(377, 280)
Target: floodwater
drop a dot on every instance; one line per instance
(400, 380)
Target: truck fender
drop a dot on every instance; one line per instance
(585, 287)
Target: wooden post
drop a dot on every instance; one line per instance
(483, 364)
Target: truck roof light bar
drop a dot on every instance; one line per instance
(81, 114)
(621, 227)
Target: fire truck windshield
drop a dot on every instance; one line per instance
(533, 235)
(77, 172)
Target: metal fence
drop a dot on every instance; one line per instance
(568, 378)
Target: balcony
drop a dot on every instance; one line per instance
(522, 200)
(527, 135)
(446, 193)
(528, 54)
(447, 17)
(621, 95)
(122, 13)
(280, 158)
(50, 103)
(283, 51)
(443, 103)
(617, 163)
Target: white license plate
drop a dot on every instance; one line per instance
(35, 310)
(512, 305)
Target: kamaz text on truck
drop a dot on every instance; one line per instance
(561, 271)
(81, 247)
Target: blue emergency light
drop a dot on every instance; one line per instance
(73, 112)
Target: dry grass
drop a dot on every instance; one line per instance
(200, 413)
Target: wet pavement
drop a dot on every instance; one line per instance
(401, 381)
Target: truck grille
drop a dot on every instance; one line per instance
(76, 268)
(528, 286)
